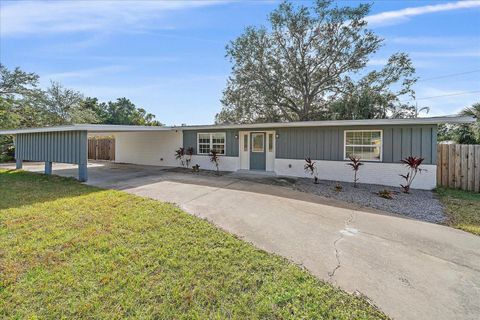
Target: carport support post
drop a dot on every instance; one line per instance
(18, 164)
(48, 168)
(82, 172)
(82, 164)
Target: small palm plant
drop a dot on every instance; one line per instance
(355, 164)
(311, 167)
(188, 154)
(413, 164)
(180, 155)
(214, 159)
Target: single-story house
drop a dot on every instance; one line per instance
(279, 148)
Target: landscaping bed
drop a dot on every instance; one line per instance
(418, 204)
(72, 251)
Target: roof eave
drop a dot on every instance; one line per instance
(103, 128)
(339, 123)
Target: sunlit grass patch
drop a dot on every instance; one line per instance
(462, 208)
(68, 250)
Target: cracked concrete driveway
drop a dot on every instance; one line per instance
(410, 269)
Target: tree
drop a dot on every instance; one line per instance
(65, 106)
(307, 59)
(123, 111)
(464, 134)
(18, 92)
(473, 111)
(16, 82)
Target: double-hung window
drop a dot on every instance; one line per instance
(363, 144)
(207, 142)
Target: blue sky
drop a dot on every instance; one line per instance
(169, 57)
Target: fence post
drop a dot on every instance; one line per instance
(451, 166)
(477, 168)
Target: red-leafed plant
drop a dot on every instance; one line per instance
(214, 159)
(311, 167)
(413, 164)
(188, 156)
(180, 155)
(355, 164)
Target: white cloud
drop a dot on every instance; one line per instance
(393, 17)
(447, 54)
(442, 41)
(30, 17)
(85, 73)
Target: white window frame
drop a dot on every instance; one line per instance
(211, 142)
(361, 145)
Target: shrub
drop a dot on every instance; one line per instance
(189, 155)
(214, 159)
(311, 167)
(386, 194)
(413, 164)
(196, 168)
(355, 164)
(338, 187)
(7, 150)
(180, 155)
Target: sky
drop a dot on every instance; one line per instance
(168, 57)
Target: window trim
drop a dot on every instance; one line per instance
(270, 142)
(361, 145)
(211, 142)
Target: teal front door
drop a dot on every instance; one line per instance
(257, 151)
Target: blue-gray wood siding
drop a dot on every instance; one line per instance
(63, 146)
(231, 143)
(326, 143)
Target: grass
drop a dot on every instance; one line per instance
(462, 208)
(69, 250)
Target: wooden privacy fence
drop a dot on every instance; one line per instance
(101, 149)
(458, 166)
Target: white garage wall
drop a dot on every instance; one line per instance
(148, 148)
(371, 172)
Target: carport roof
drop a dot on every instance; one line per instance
(103, 128)
(89, 128)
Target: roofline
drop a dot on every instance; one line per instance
(89, 127)
(327, 123)
(339, 123)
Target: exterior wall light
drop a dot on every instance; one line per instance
(277, 136)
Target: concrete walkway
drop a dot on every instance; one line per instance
(409, 269)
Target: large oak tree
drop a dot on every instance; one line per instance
(309, 64)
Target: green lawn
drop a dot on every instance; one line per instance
(68, 250)
(463, 209)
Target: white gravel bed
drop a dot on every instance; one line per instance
(418, 204)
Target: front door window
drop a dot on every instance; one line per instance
(258, 142)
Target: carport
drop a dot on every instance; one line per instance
(69, 144)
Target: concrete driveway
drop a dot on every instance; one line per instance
(409, 269)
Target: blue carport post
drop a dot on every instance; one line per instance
(18, 158)
(82, 172)
(18, 164)
(82, 164)
(48, 168)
